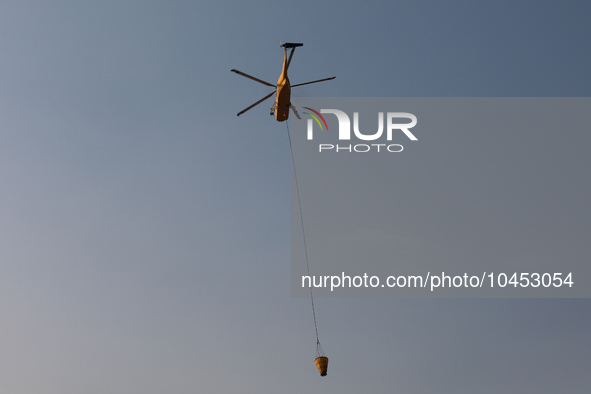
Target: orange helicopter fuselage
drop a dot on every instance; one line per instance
(283, 97)
(282, 90)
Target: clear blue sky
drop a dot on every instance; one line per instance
(145, 237)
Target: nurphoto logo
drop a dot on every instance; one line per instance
(345, 130)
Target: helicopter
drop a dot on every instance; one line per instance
(280, 108)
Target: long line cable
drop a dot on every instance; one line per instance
(303, 233)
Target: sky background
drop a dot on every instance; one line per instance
(145, 237)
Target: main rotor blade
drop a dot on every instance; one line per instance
(295, 112)
(290, 56)
(253, 78)
(307, 83)
(257, 103)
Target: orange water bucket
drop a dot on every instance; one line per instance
(322, 365)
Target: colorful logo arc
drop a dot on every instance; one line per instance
(316, 119)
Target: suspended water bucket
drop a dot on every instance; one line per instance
(321, 360)
(322, 365)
